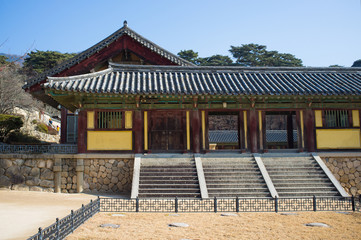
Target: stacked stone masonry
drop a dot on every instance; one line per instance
(51, 173)
(108, 175)
(347, 170)
(27, 174)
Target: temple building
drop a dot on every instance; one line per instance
(128, 95)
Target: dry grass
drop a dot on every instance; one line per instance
(215, 226)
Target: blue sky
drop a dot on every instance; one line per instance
(320, 32)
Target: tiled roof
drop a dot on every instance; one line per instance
(125, 30)
(223, 136)
(178, 80)
(279, 136)
(231, 136)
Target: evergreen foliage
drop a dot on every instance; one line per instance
(248, 55)
(9, 123)
(357, 63)
(40, 61)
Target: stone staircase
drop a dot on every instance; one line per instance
(233, 176)
(298, 176)
(168, 177)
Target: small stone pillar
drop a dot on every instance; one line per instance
(79, 175)
(57, 175)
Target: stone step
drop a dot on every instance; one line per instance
(170, 190)
(148, 178)
(303, 184)
(303, 167)
(228, 163)
(168, 167)
(244, 194)
(168, 172)
(170, 195)
(234, 190)
(294, 171)
(226, 170)
(295, 175)
(238, 185)
(156, 182)
(308, 194)
(302, 180)
(168, 185)
(304, 189)
(228, 178)
(232, 173)
(190, 174)
(235, 181)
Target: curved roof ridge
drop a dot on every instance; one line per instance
(102, 44)
(119, 66)
(81, 76)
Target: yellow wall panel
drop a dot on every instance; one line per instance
(355, 118)
(318, 118)
(90, 119)
(302, 129)
(338, 138)
(245, 128)
(128, 120)
(110, 140)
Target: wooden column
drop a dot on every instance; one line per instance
(63, 125)
(290, 130)
(252, 125)
(309, 122)
(196, 122)
(82, 126)
(299, 122)
(138, 131)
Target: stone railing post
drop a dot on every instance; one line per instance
(79, 175)
(57, 175)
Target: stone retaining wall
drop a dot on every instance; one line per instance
(66, 174)
(27, 174)
(347, 170)
(108, 175)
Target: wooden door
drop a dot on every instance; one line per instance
(167, 131)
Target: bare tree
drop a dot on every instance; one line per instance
(11, 93)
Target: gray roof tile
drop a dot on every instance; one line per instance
(128, 79)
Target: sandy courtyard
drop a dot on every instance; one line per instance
(22, 213)
(215, 226)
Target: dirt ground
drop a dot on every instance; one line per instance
(215, 226)
(22, 213)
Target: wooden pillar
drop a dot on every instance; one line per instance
(82, 126)
(290, 130)
(57, 175)
(300, 127)
(79, 175)
(309, 118)
(252, 120)
(138, 131)
(63, 125)
(196, 122)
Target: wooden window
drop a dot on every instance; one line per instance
(337, 119)
(109, 119)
